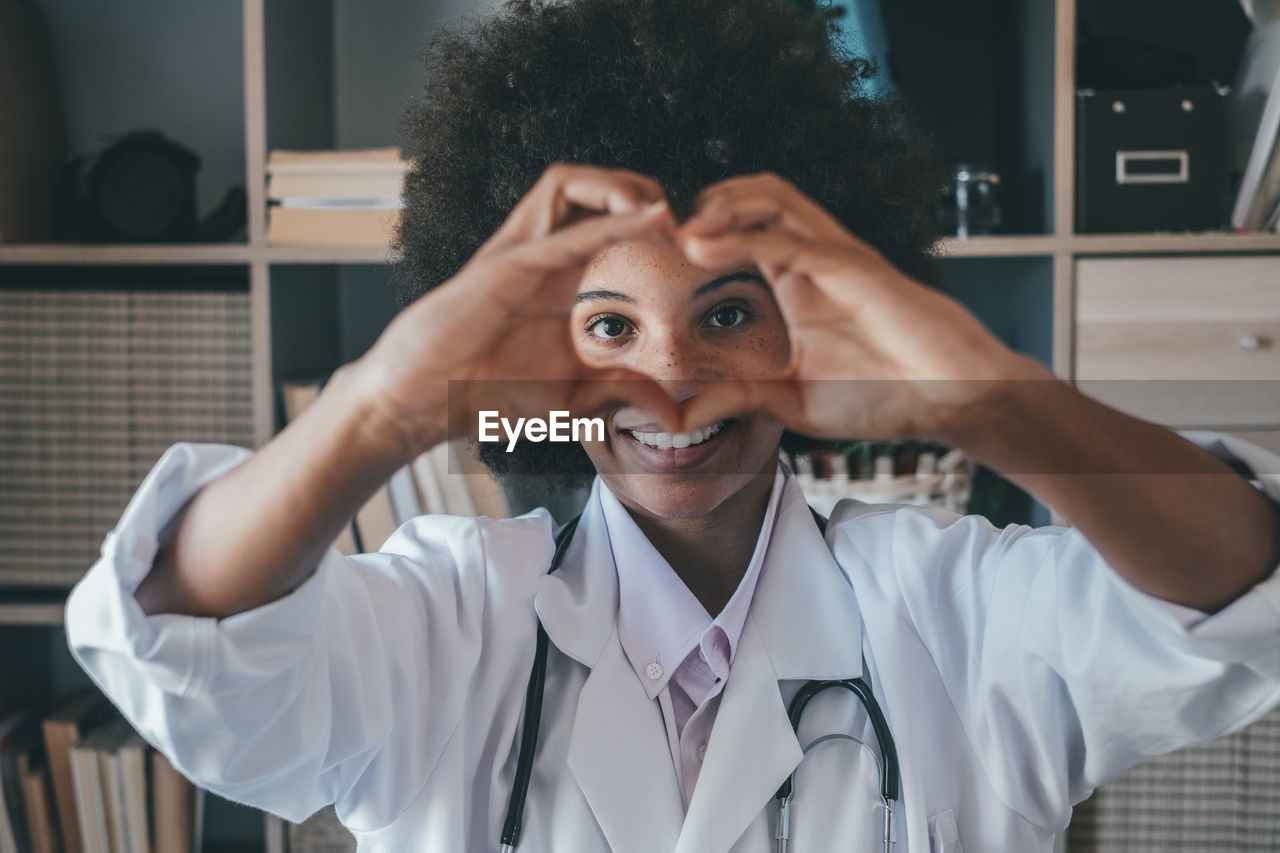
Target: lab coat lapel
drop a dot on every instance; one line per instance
(618, 750)
(803, 624)
(618, 754)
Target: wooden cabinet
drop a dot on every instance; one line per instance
(1186, 341)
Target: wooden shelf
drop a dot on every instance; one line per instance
(999, 246)
(1215, 242)
(326, 254)
(80, 253)
(1106, 244)
(1002, 246)
(31, 612)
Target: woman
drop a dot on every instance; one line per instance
(1017, 669)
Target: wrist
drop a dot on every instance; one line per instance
(996, 410)
(379, 427)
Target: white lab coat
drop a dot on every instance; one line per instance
(1016, 670)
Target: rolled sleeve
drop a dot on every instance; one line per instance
(292, 705)
(1063, 674)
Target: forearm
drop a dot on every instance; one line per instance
(259, 531)
(1172, 519)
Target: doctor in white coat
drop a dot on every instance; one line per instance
(1017, 668)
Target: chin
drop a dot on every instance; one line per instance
(668, 496)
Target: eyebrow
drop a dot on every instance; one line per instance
(710, 287)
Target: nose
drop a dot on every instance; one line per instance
(679, 362)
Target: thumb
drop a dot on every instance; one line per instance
(605, 389)
(780, 399)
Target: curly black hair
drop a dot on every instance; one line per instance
(687, 91)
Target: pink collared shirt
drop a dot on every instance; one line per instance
(680, 653)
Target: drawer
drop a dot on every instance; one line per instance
(1178, 289)
(1190, 342)
(1225, 350)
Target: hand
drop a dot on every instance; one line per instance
(496, 335)
(921, 365)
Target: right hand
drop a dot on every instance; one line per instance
(499, 328)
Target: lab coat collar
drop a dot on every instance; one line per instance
(578, 605)
(803, 623)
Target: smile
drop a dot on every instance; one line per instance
(679, 440)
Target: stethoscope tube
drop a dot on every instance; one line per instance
(532, 715)
(889, 768)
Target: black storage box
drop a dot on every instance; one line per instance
(1150, 160)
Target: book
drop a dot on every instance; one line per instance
(376, 520)
(297, 394)
(172, 797)
(42, 828)
(17, 736)
(297, 226)
(361, 184)
(487, 495)
(129, 763)
(458, 484)
(280, 161)
(403, 492)
(63, 729)
(92, 811)
(453, 483)
(110, 782)
(430, 496)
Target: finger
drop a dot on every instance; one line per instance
(727, 398)
(778, 255)
(763, 201)
(565, 193)
(612, 388)
(574, 246)
(744, 213)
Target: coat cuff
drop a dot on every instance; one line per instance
(115, 641)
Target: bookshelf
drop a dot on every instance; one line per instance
(237, 80)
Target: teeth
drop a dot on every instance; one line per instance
(668, 441)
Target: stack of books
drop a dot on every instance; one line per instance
(91, 784)
(446, 480)
(334, 198)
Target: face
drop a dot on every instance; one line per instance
(644, 307)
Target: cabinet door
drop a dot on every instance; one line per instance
(1186, 341)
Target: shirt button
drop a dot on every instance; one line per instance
(702, 751)
(653, 670)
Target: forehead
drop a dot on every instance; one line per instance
(646, 266)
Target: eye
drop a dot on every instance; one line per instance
(608, 328)
(726, 316)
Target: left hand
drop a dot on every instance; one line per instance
(850, 315)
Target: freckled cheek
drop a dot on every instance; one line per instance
(761, 355)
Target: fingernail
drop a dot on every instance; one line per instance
(653, 207)
(621, 204)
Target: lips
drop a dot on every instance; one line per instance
(679, 440)
(673, 451)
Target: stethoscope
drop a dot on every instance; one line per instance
(889, 779)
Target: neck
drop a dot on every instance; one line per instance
(711, 553)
